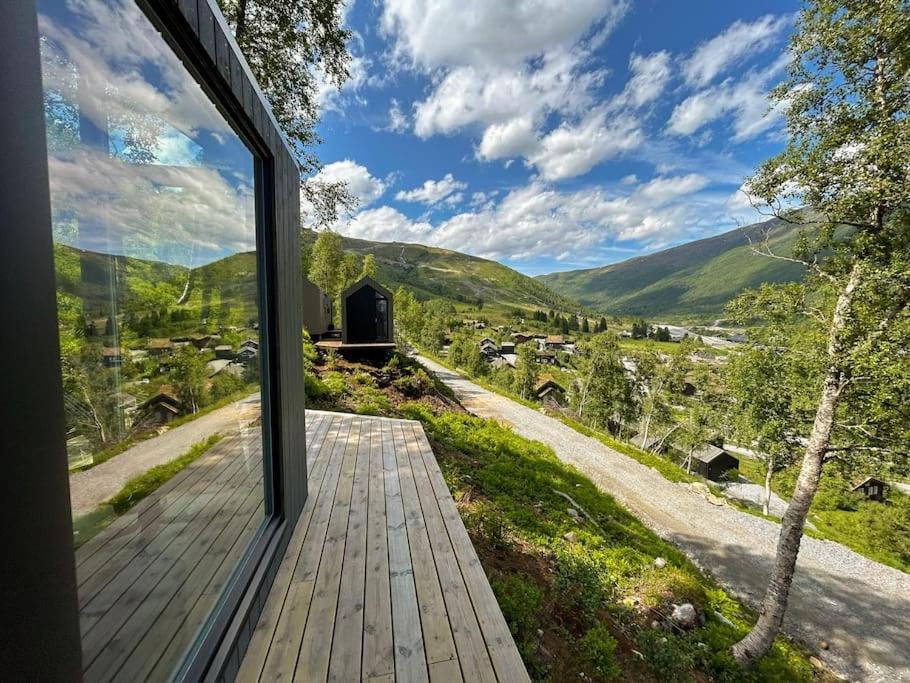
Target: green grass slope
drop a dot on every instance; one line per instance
(431, 272)
(693, 279)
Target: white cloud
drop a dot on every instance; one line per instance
(538, 220)
(630, 179)
(398, 121)
(331, 98)
(650, 75)
(444, 33)
(746, 101)
(432, 191)
(740, 40)
(508, 140)
(386, 224)
(570, 151)
(361, 184)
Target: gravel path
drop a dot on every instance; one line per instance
(93, 486)
(860, 607)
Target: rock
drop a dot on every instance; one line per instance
(573, 513)
(824, 645)
(660, 562)
(684, 615)
(571, 537)
(540, 633)
(655, 624)
(722, 618)
(816, 662)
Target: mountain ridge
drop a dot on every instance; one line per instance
(696, 279)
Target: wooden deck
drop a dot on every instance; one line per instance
(148, 581)
(380, 581)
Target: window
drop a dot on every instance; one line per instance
(153, 199)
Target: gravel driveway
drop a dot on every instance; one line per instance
(93, 486)
(860, 607)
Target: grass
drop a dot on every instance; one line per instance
(133, 439)
(592, 588)
(135, 490)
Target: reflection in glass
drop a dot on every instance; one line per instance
(155, 248)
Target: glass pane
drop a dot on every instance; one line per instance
(154, 225)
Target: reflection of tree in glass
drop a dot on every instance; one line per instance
(61, 113)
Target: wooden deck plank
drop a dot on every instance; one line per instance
(149, 593)
(98, 570)
(471, 646)
(378, 654)
(434, 620)
(318, 454)
(380, 579)
(410, 657)
(347, 640)
(500, 644)
(282, 656)
(111, 581)
(315, 649)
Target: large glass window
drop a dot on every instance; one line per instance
(154, 220)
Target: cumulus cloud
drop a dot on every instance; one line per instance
(522, 224)
(570, 151)
(739, 41)
(358, 179)
(446, 33)
(433, 191)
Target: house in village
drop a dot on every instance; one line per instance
(507, 347)
(554, 342)
(161, 408)
(654, 443)
(872, 488)
(547, 357)
(713, 462)
(224, 352)
(111, 357)
(550, 391)
(159, 347)
(521, 337)
(248, 351)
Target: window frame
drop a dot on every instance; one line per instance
(34, 603)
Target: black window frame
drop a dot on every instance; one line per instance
(38, 599)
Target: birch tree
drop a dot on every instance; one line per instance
(847, 99)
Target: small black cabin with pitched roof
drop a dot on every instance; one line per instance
(366, 313)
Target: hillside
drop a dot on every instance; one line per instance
(693, 279)
(431, 272)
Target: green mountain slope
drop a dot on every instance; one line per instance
(431, 272)
(693, 279)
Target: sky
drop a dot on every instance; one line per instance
(552, 135)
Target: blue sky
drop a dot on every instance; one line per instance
(553, 135)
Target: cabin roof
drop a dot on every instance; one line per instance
(366, 282)
(869, 481)
(708, 453)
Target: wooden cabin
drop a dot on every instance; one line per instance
(871, 488)
(162, 407)
(317, 310)
(111, 357)
(366, 313)
(550, 391)
(712, 462)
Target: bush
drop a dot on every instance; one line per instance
(224, 384)
(582, 582)
(334, 382)
(486, 521)
(370, 401)
(598, 653)
(519, 598)
(670, 657)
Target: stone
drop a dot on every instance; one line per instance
(655, 624)
(816, 662)
(660, 562)
(824, 645)
(571, 537)
(573, 513)
(684, 615)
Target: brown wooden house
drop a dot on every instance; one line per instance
(872, 488)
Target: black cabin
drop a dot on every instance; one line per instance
(712, 462)
(871, 488)
(366, 313)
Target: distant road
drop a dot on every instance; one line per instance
(91, 487)
(860, 607)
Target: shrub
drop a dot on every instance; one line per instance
(224, 384)
(670, 657)
(488, 522)
(519, 598)
(334, 382)
(598, 653)
(582, 582)
(370, 401)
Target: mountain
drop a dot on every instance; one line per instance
(431, 273)
(693, 279)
